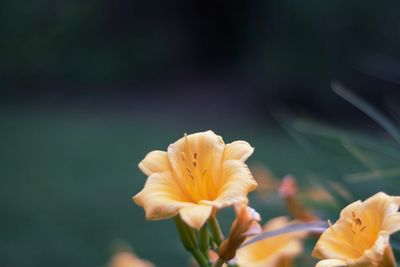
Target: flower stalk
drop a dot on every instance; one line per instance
(204, 240)
(189, 243)
(215, 229)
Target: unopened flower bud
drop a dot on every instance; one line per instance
(245, 225)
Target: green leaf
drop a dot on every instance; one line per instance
(368, 109)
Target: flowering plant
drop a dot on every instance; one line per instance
(199, 174)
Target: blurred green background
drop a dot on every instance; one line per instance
(87, 88)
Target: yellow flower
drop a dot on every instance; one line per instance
(128, 259)
(361, 235)
(197, 174)
(277, 251)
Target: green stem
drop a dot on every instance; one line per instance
(216, 230)
(187, 237)
(184, 235)
(204, 240)
(219, 263)
(201, 260)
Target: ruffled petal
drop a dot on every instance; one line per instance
(392, 223)
(196, 215)
(235, 183)
(238, 150)
(204, 150)
(270, 252)
(155, 161)
(331, 263)
(336, 242)
(161, 197)
(385, 208)
(376, 253)
(349, 209)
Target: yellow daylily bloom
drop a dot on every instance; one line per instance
(277, 251)
(128, 259)
(198, 174)
(361, 235)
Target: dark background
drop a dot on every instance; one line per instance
(87, 88)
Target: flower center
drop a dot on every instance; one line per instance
(197, 181)
(357, 226)
(362, 236)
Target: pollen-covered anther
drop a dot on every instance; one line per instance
(356, 224)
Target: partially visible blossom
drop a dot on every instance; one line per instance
(360, 238)
(246, 224)
(197, 175)
(289, 192)
(128, 259)
(277, 251)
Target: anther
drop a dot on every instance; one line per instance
(194, 164)
(195, 155)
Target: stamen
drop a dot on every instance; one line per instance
(195, 155)
(183, 156)
(194, 164)
(188, 170)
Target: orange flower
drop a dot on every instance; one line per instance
(361, 235)
(197, 174)
(245, 225)
(277, 251)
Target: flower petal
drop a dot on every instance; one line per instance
(331, 263)
(336, 242)
(271, 251)
(196, 215)
(238, 150)
(385, 208)
(392, 223)
(161, 197)
(236, 181)
(349, 209)
(376, 253)
(155, 161)
(206, 148)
